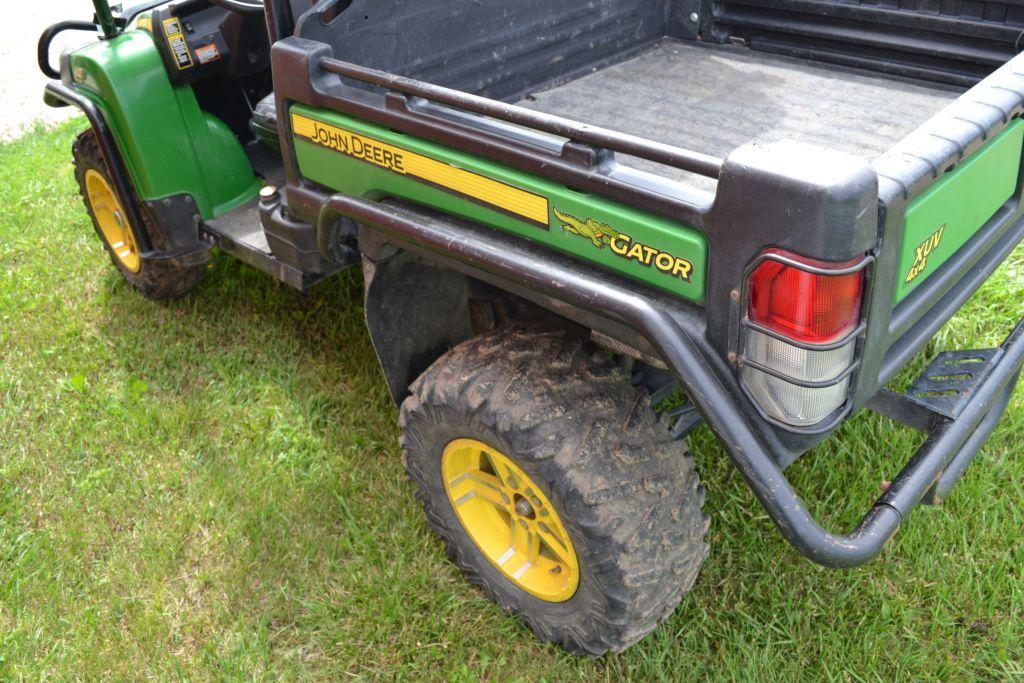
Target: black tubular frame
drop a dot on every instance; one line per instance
(46, 39)
(654, 317)
(55, 93)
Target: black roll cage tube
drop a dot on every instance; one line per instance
(104, 23)
(58, 92)
(43, 46)
(931, 471)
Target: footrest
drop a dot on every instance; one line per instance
(946, 385)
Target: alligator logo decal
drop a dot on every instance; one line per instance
(602, 235)
(599, 234)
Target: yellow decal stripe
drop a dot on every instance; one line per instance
(397, 160)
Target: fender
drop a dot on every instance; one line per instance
(170, 146)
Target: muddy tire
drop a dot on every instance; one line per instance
(568, 418)
(154, 279)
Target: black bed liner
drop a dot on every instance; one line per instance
(716, 98)
(504, 50)
(949, 41)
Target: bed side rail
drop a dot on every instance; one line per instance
(694, 162)
(953, 134)
(949, 42)
(305, 72)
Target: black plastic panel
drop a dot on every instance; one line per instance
(495, 48)
(950, 41)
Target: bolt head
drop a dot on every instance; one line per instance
(268, 191)
(694, 17)
(523, 508)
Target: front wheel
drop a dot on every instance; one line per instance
(555, 486)
(154, 279)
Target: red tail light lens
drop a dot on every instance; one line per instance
(802, 305)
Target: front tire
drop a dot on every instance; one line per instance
(154, 279)
(602, 465)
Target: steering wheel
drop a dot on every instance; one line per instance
(241, 6)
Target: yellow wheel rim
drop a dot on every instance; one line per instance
(510, 520)
(111, 218)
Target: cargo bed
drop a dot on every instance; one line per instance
(716, 98)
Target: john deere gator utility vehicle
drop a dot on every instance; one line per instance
(566, 212)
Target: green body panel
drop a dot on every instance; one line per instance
(583, 215)
(169, 144)
(952, 210)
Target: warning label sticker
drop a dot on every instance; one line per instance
(176, 41)
(207, 53)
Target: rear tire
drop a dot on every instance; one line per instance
(154, 279)
(569, 419)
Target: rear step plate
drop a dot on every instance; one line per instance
(947, 384)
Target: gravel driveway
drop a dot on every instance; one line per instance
(21, 83)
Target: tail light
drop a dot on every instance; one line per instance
(799, 335)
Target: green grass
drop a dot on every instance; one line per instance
(212, 489)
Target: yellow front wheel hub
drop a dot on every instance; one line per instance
(510, 520)
(111, 219)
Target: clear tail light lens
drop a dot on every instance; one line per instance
(805, 308)
(793, 361)
(792, 404)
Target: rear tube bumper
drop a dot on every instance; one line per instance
(937, 463)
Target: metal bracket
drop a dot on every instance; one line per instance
(686, 418)
(686, 18)
(661, 384)
(940, 392)
(937, 398)
(948, 383)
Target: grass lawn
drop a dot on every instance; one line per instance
(212, 489)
